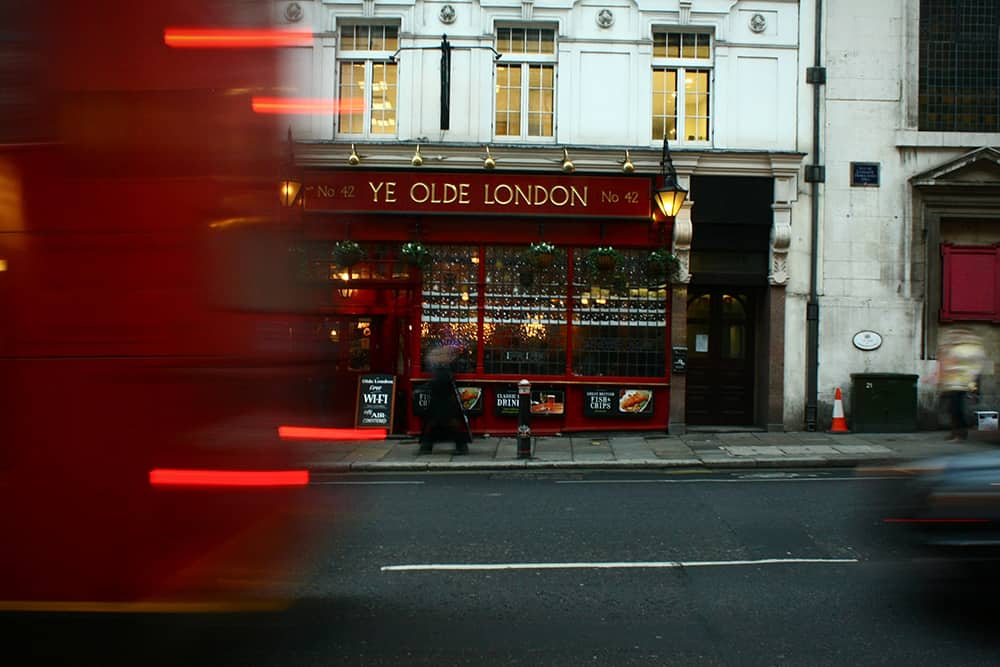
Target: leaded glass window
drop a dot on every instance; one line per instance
(524, 327)
(959, 71)
(451, 304)
(619, 319)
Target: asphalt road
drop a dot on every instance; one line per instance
(748, 568)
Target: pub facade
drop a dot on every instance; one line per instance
(482, 176)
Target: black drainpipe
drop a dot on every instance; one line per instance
(815, 175)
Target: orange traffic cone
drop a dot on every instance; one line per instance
(839, 423)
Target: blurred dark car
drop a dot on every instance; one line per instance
(949, 506)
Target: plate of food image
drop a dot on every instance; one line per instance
(469, 396)
(634, 400)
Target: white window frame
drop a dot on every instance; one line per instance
(369, 58)
(525, 61)
(681, 65)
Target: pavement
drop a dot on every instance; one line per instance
(700, 450)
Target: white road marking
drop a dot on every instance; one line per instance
(424, 567)
(342, 483)
(740, 480)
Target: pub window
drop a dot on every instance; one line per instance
(525, 86)
(524, 327)
(367, 80)
(682, 78)
(959, 75)
(969, 277)
(451, 304)
(619, 320)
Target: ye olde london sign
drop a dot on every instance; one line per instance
(477, 194)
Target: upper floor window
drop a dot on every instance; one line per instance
(367, 84)
(525, 83)
(682, 79)
(959, 75)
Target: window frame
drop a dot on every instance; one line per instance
(525, 61)
(369, 58)
(680, 66)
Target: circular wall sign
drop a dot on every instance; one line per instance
(867, 340)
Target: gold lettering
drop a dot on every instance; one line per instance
(413, 192)
(434, 194)
(507, 191)
(487, 199)
(325, 191)
(544, 198)
(463, 193)
(559, 189)
(389, 191)
(520, 196)
(578, 197)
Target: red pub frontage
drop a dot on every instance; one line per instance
(543, 277)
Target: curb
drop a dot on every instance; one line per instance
(707, 464)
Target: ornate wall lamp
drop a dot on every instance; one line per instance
(417, 159)
(567, 164)
(489, 162)
(345, 289)
(353, 159)
(670, 196)
(289, 187)
(627, 165)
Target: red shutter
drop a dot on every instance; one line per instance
(969, 283)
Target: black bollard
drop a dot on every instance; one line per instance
(524, 420)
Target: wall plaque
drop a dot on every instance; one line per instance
(865, 174)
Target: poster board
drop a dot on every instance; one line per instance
(376, 401)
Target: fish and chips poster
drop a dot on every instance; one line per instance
(621, 402)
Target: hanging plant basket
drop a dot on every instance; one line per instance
(416, 254)
(662, 266)
(541, 254)
(604, 260)
(347, 253)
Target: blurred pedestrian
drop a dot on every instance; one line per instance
(961, 358)
(445, 419)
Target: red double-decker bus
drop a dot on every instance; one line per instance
(138, 387)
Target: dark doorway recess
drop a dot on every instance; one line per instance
(720, 372)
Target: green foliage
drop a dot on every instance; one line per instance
(603, 259)
(416, 254)
(540, 254)
(347, 253)
(663, 265)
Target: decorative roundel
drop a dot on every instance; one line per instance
(605, 18)
(447, 14)
(758, 23)
(293, 12)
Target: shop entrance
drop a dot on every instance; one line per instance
(720, 371)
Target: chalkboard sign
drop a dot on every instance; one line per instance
(376, 400)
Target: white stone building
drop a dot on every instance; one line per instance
(783, 117)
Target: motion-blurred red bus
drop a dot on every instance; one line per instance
(138, 396)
